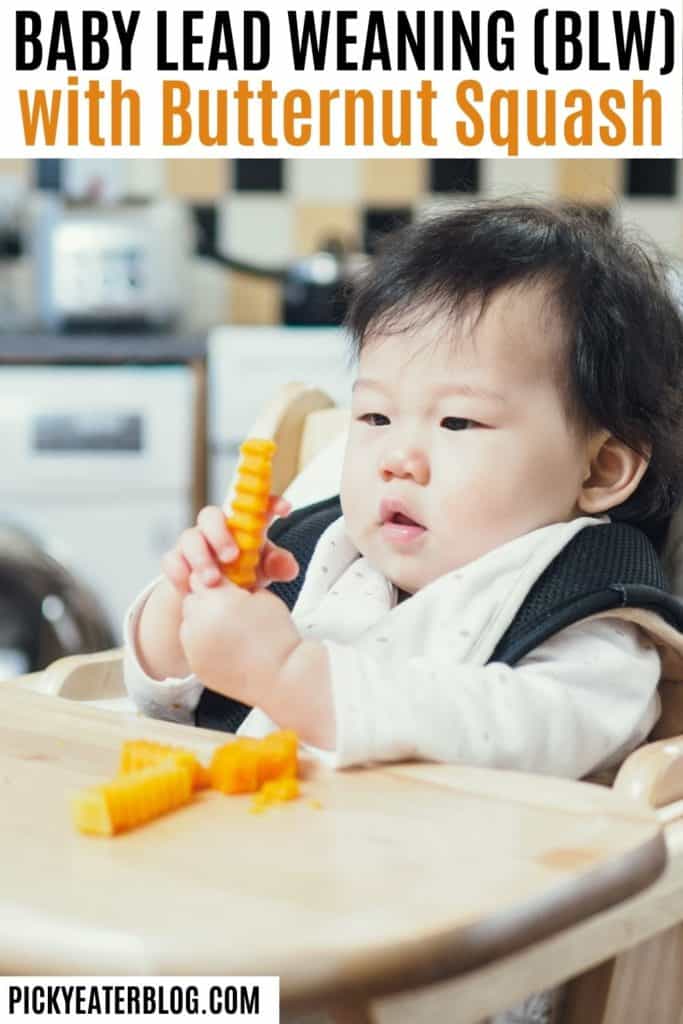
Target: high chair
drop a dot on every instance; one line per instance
(625, 964)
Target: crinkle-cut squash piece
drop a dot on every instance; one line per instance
(245, 764)
(136, 754)
(248, 517)
(132, 799)
(277, 791)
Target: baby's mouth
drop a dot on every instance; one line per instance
(397, 526)
(402, 520)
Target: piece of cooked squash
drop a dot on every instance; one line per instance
(243, 765)
(136, 754)
(277, 791)
(132, 799)
(247, 520)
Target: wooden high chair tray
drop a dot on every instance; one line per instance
(404, 875)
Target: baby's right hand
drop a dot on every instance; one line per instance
(198, 558)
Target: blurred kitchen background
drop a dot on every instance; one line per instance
(149, 310)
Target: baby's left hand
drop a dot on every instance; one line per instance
(237, 642)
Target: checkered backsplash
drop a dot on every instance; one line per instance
(272, 211)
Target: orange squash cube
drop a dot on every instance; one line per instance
(245, 764)
(279, 755)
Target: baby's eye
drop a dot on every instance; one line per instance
(458, 423)
(374, 419)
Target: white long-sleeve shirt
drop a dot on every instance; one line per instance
(411, 680)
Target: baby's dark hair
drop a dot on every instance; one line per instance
(622, 368)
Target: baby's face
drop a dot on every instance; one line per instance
(459, 442)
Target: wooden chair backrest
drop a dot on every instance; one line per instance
(286, 420)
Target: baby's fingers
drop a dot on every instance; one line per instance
(277, 566)
(277, 506)
(176, 570)
(211, 521)
(199, 556)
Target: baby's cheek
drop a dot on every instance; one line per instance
(478, 517)
(471, 502)
(355, 505)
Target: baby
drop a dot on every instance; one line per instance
(519, 384)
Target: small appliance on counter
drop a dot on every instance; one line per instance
(119, 266)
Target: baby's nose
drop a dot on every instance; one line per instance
(406, 462)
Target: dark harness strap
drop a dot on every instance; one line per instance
(602, 568)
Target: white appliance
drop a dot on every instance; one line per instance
(113, 264)
(97, 464)
(246, 368)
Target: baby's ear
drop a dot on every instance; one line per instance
(614, 474)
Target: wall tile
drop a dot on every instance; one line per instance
(378, 222)
(254, 300)
(257, 175)
(532, 178)
(314, 223)
(651, 178)
(21, 170)
(660, 220)
(48, 175)
(315, 181)
(590, 181)
(257, 228)
(392, 182)
(197, 180)
(454, 176)
(145, 179)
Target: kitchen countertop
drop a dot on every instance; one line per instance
(109, 348)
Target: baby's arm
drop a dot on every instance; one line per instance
(154, 632)
(175, 696)
(578, 702)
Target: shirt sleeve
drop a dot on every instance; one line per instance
(579, 702)
(173, 699)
